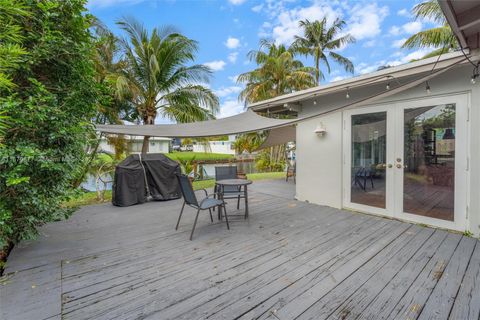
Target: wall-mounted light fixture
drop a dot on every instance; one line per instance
(320, 130)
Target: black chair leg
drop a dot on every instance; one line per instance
(210, 211)
(214, 195)
(238, 203)
(226, 216)
(181, 211)
(194, 224)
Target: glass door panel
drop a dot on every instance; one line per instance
(368, 159)
(429, 161)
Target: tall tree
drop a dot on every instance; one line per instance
(278, 73)
(440, 37)
(159, 79)
(50, 105)
(319, 40)
(12, 52)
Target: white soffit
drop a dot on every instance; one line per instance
(463, 16)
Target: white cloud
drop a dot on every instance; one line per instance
(232, 57)
(408, 28)
(257, 8)
(395, 31)
(365, 20)
(404, 58)
(232, 43)
(226, 91)
(338, 78)
(403, 13)
(401, 58)
(287, 26)
(233, 78)
(236, 2)
(230, 107)
(369, 44)
(412, 27)
(398, 43)
(216, 65)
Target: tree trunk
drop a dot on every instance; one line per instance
(145, 144)
(148, 120)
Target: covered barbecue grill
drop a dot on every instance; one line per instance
(140, 177)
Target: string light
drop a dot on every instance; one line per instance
(387, 86)
(475, 75)
(315, 102)
(427, 87)
(347, 95)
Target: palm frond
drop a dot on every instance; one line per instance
(431, 10)
(436, 37)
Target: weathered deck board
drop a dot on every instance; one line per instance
(290, 260)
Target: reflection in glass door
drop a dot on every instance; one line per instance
(368, 159)
(429, 161)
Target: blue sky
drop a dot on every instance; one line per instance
(227, 30)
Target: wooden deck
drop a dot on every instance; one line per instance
(291, 260)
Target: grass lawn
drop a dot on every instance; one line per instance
(199, 156)
(87, 198)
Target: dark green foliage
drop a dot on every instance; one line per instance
(50, 106)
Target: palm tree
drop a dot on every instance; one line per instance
(440, 37)
(158, 79)
(320, 40)
(278, 73)
(13, 53)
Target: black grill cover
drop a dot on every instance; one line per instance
(129, 181)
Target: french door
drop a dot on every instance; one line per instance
(408, 160)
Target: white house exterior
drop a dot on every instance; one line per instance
(224, 147)
(413, 156)
(156, 144)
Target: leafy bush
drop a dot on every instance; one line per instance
(50, 103)
(266, 163)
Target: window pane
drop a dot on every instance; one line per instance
(368, 159)
(429, 161)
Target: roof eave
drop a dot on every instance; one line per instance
(411, 68)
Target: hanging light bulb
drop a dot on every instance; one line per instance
(387, 86)
(347, 95)
(427, 88)
(315, 102)
(475, 75)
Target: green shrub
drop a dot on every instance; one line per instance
(50, 105)
(265, 163)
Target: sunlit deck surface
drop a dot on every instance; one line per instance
(290, 260)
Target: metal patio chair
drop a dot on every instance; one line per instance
(190, 199)
(229, 192)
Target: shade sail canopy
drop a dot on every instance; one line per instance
(247, 121)
(281, 130)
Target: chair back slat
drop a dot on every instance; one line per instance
(187, 190)
(222, 173)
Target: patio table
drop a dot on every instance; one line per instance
(237, 183)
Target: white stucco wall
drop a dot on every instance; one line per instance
(224, 147)
(320, 159)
